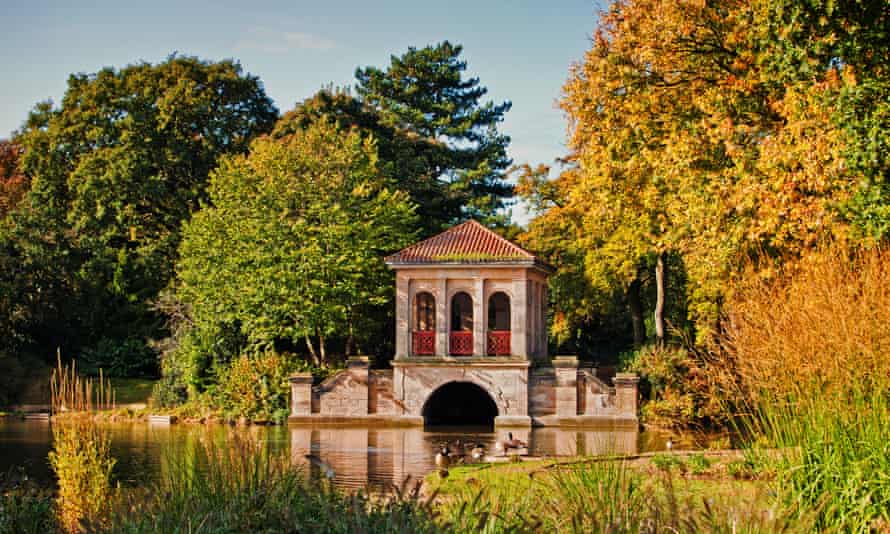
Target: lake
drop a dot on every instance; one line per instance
(360, 457)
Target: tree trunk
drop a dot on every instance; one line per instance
(312, 352)
(635, 304)
(350, 341)
(321, 350)
(660, 276)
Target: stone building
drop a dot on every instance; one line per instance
(471, 347)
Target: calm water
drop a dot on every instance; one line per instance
(359, 456)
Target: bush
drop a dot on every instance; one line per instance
(256, 386)
(698, 464)
(667, 461)
(130, 357)
(25, 508)
(674, 391)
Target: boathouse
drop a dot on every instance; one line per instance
(471, 348)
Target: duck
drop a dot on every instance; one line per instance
(514, 443)
(443, 458)
(477, 453)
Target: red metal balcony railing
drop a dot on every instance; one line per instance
(499, 343)
(423, 343)
(461, 343)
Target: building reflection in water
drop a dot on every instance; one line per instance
(380, 458)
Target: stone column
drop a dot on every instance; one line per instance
(626, 394)
(300, 394)
(542, 333)
(442, 318)
(566, 369)
(358, 368)
(519, 319)
(479, 318)
(403, 329)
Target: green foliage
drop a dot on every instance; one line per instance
(667, 462)
(116, 169)
(256, 386)
(437, 140)
(698, 464)
(25, 508)
(674, 387)
(425, 92)
(245, 487)
(290, 248)
(129, 357)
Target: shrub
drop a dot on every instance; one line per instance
(130, 357)
(256, 386)
(81, 455)
(25, 508)
(698, 464)
(667, 461)
(674, 391)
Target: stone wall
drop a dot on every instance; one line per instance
(560, 395)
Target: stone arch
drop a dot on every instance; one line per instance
(460, 402)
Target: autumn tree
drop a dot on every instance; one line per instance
(708, 134)
(13, 182)
(117, 168)
(290, 247)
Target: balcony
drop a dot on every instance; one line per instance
(423, 343)
(461, 343)
(498, 343)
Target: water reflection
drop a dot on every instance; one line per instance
(359, 456)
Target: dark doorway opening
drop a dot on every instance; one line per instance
(460, 404)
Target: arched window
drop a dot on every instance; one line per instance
(424, 312)
(461, 337)
(499, 312)
(461, 312)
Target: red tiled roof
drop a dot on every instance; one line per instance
(468, 242)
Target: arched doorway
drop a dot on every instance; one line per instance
(498, 339)
(461, 338)
(459, 404)
(423, 340)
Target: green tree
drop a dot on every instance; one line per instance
(290, 247)
(116, 169)
(436, 137)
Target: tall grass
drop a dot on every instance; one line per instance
(239, 485)
(608, 496)
(807, 357)
(81, 456)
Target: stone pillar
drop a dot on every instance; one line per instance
(566, 369)
(300, 394)
(479, 318)
(626, 394)
(542, 333)
(403, 328)
(359, 370)
(519, 319)
(442, 318)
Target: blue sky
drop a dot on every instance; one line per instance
(521, 50)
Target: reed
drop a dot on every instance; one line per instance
(81, 456)
(806, 361)
(240, 485)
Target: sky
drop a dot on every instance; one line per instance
(521, 50)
